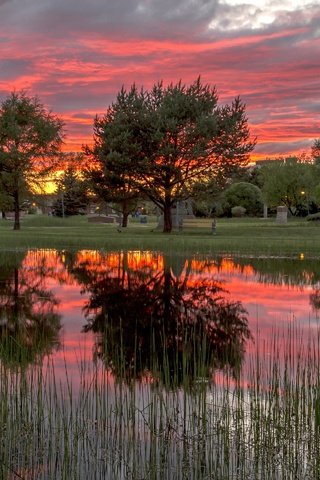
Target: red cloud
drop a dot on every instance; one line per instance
(275, 72)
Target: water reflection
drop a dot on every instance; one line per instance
(280, 271)
(29, 323)
(165, 321)
(315, 300)
(298, 273)
(164, 309)
(156, 320)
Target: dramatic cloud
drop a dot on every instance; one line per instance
(76, 54)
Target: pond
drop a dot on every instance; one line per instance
(139, 365)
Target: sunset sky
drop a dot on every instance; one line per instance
(76, 54)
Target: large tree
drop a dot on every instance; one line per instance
(30, 139)
(290, 182)
(116, 154)
(169, 137)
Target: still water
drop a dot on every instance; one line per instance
(144, 365)
(63, 299)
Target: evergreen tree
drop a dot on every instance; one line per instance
(159, 142)
(72, 194)
(30, 139)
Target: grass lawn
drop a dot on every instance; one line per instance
(245, 236)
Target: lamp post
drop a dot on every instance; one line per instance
(62, 203)
(303, 193)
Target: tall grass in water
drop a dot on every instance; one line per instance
(263, 424)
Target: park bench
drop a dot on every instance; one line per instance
(103, 219)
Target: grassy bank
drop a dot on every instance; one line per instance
(235, 236)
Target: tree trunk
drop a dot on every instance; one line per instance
(167, 297)
(3, 213)
(125, 213)
(16, 225)
(167, 217)
(125, 216)
(290, 210)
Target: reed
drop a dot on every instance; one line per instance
(261, 423)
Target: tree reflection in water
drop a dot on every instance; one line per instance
(158, 320)
(296, 273)
(315, 299)
(29, 324)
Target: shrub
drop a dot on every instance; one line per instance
(313, 217)
(244, 194)
(238, 211)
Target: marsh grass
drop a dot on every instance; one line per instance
(262, 424)
(237, 236)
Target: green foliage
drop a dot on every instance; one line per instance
(6, 202)
(315, 150)
(317, 194)
(245, 195)
(249, 175)
(238, 211)
(115, 157)
(158, 142)
(290, 182)
(205, 196)
(313, 217)
(30, 139)
(72, 194)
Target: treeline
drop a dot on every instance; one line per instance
(165, 145)
(290, 181)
